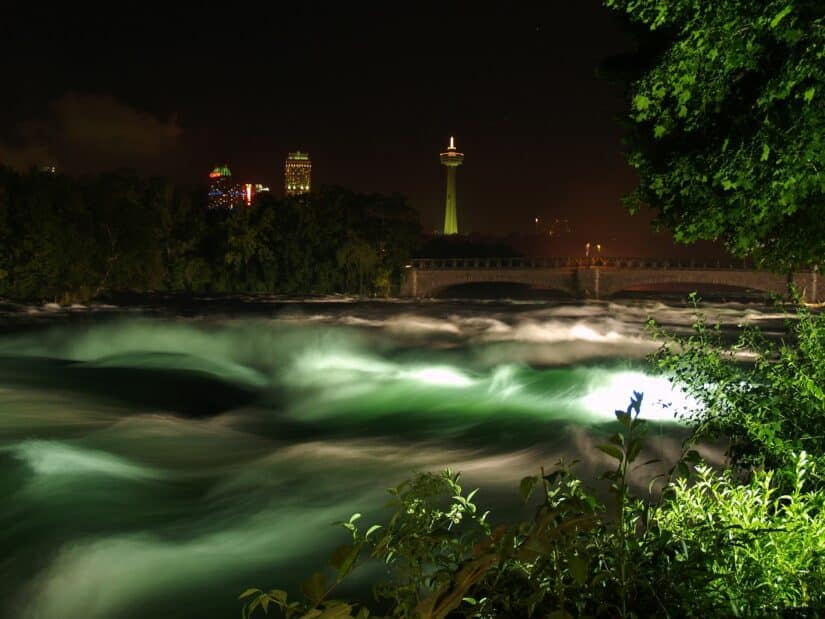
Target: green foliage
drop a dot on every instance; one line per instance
(765, 397)
(764, 550)
(72, 240)
(727, 122)
(358, 260)
(705, 546)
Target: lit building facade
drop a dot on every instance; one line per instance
(297, 174)
(451, 159)
(222, 192)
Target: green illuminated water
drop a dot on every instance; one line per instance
(155, 466)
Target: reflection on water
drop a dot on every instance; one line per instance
(156, 466)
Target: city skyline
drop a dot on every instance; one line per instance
(225, 193)
(524, 89)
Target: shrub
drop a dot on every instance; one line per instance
(766, 397)
(763, 551)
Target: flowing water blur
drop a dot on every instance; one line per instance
(155, 465)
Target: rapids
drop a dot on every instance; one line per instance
(155, 463)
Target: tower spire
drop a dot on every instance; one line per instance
(451, 159)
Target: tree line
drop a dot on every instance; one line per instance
(72, 240)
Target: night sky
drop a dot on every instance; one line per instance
(373, 92)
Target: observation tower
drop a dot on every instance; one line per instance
(451, 158)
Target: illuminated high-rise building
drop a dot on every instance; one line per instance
(222, 192)
(451, 158)
(297, 174)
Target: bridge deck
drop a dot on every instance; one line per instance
(600, 277)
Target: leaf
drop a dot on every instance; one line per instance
(344, 558)
(780, 16)
(611, 450)
(560, 614)
(372, 530)
(278, 594)
(249, 610)
(315, 588)
(578, 569)
(526, 486)
(633, 449)
(808, 96)
(641, 102)
(248, 592)
(766, 152)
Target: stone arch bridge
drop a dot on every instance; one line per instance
(598, 278)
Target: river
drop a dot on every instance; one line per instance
(155, 461)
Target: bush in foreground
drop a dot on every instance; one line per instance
(766, 397)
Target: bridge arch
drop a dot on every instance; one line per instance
(480, 289)
(615, 281)
(432, 282)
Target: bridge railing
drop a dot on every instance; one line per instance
(578, 262)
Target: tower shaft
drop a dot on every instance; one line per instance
(451, 159)
(450, 214)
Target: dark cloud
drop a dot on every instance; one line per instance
(87, 132)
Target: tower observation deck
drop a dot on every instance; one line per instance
(451, 158)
